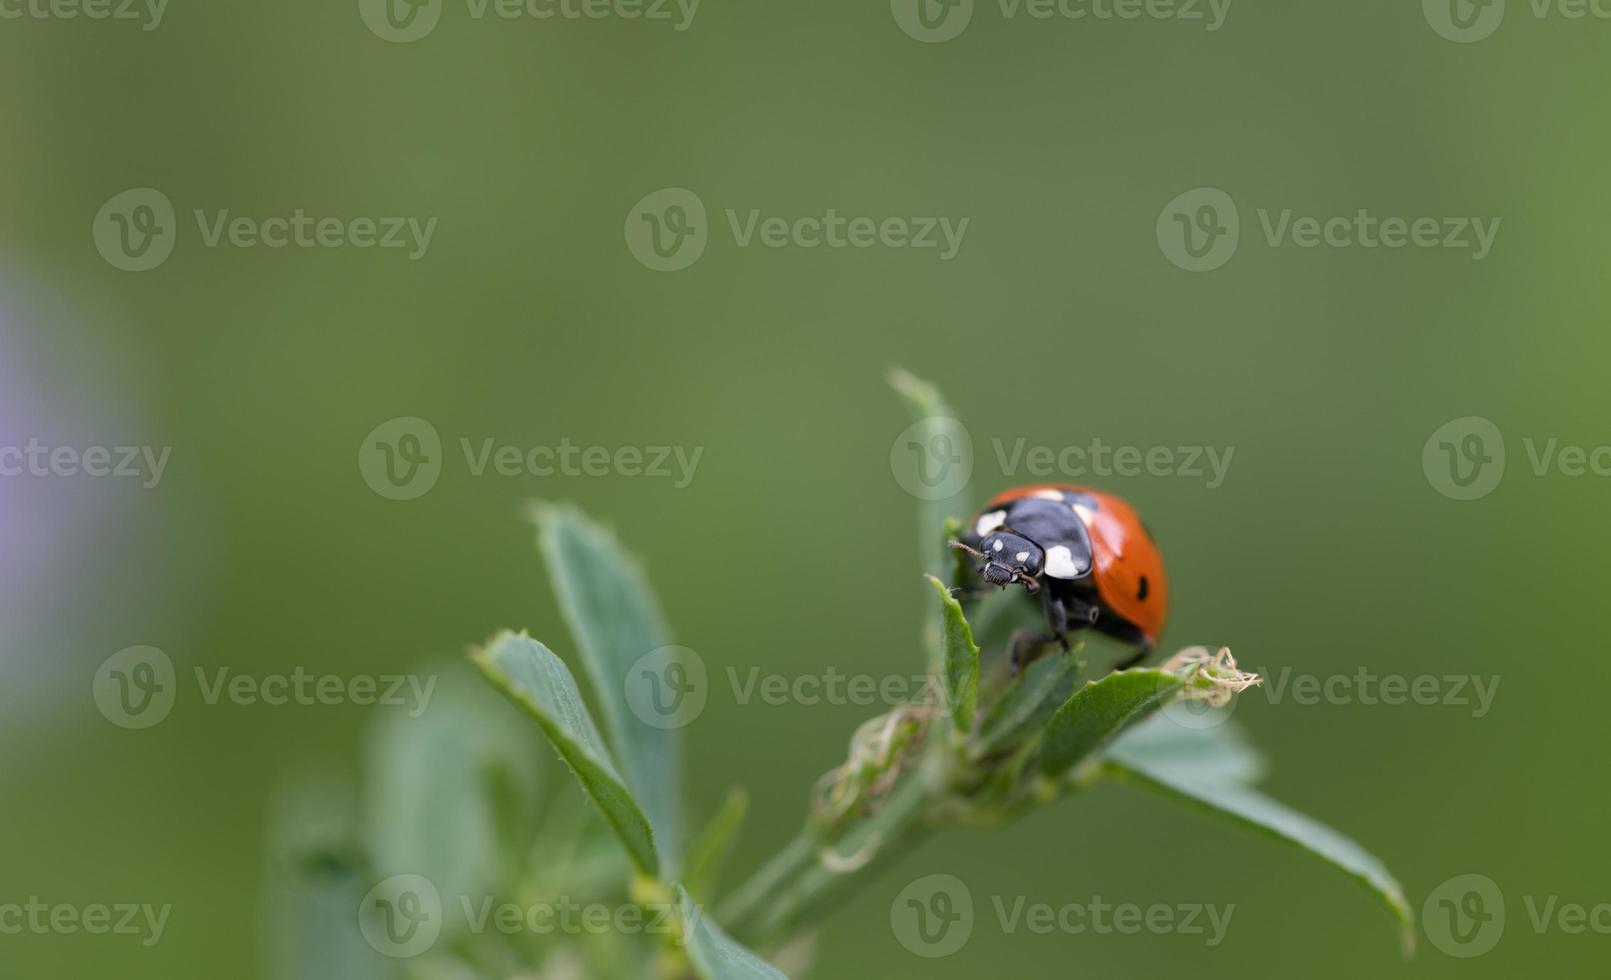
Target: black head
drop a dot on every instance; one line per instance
(1006, 557)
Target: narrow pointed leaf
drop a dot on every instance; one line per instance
(961, 660)
(933, 420)
(539, 682)
(711, 846)
(716, 956)
(1031, 698)
(1211, 769)
(1099, 711)
(616, 622)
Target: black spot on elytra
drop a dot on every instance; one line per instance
(1141, 593)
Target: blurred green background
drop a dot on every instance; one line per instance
(1059, 321)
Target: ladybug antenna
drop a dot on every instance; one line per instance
(975, 552)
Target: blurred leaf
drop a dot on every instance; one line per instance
(616, 621)
(451, 794)
(925, 404)
(1212, 746)
(715, 956)
(1099, 711)
(315, 880)
(961, 660)
(1212, 789)
(1035, 695)
(538, 681)
(711, 847)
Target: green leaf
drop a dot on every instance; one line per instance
(451, 793)
(538, 681)
(711, 847)
(1184, 765)
(316, 877)
(714, 955)
(1099, 711)
(1208, 747)
(961, 660)
(933, 416)
(1031, 698)
(616, 622)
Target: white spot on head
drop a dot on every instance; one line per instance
(1084, 513)
(1060, 563)
(989, 522)
(1048, 495)
(1022, 556)
(997, 546)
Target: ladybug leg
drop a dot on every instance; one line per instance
(1079, 612)
(1028, 645)
(1139, 656)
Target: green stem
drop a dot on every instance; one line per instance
(789, 891)
(737, 909)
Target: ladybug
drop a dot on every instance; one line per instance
(1084, 553)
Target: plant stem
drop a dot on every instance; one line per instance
(792, 888)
